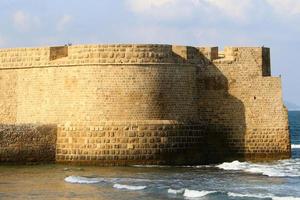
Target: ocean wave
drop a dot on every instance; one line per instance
(284, 168)
(295, 146)
(172, 166)
(174, 191)
(83, 180)
(92, 180)
(259, 196)
(262, 196)
(286, 198)
(190, 193)
(129, 187)
(152, 166)
(196, 194)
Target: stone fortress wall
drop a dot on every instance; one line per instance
(140, 104)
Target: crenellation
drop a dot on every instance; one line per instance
(93, 54)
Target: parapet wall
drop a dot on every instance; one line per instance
(126, 104)
(96, 54)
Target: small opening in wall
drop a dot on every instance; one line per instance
(254, 97)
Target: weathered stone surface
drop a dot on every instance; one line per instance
(27, 143)
(126, 104)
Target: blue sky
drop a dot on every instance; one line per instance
(272, 23)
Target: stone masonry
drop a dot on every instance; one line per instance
(140, 104)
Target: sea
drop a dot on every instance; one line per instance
(235, 180)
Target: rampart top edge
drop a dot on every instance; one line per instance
(114, 54)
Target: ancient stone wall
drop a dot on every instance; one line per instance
(27, 143)
(125, 104)
(241, 100)
(132, 142)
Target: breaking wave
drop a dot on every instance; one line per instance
(196, 194)
(295, 146)
(152, 166)
(190, 193)
(83, 180)
(262, 196)
(91, 180)
(174, 191)
(129, 187)
(283, 168)
(259, 196)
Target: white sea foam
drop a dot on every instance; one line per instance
(129, 187)
(89, 180)
(83, 180)
(262, 196)
(173, 191)
(284, 168)
(172, 166)
(195, 193)
(151, 166)
(295, 146)
(286, 198)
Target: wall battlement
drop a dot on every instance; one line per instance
(125, 104)
(118, 54)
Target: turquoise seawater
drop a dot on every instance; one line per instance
(234, 180)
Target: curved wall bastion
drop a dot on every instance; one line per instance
(140, 104)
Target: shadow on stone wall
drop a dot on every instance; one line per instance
(222, 115)
(27, 143)
(221, 121)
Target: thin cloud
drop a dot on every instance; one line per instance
(287, 8)
(163, 9)
(24, 22)
(63, 22)
(21, 20)
(235, 9)
(240, 11)
(145, 5)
